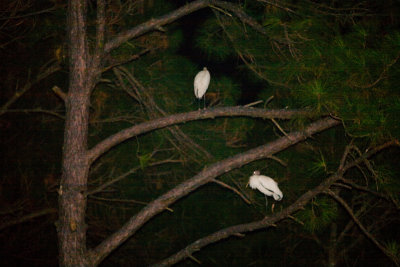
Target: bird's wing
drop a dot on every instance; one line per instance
(271, 187)
(201, 83)
(264, 185)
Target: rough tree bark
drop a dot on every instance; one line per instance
(77, 159)
(206, 176)
(75, 166)
(268, 221)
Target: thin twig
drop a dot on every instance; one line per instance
(269, 220)
(29, 84)
(362, 228)
(27, 217)
(233, 189)
(279, 127)
(278, 160)
(125, 201)
(253, 103)
(38, 110)
(124, 175)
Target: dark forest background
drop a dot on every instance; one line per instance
(328, 58)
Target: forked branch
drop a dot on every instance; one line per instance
(341, 201)
(211, 113)
(207, 175)
(269, 220)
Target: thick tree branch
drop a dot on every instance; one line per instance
(249, 227)
(75, 166)
(142, 95)
(211, 113)
(154, 24)
(270, 220)
(206, 176)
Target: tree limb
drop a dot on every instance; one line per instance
(232, 189)
(27, 217)
(211, 113)
(362, 228)
(366, 189)
(155, 24)
(42, 75)
(270, 220)
(207, 175)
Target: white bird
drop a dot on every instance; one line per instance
(265, 185)
(201, 83)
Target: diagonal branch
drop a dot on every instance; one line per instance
(363, 229)
(211, 113)
(232, 189)
(155, 24)
(204, 177)
(29, 84)
(155, 111)
(366, 189)
(270, 220)
(28, 217)
(241, 15)
(249, 227)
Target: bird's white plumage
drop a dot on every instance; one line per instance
(201, 83)
(265, 185)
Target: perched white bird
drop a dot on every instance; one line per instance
(265, 185)
(201, 82)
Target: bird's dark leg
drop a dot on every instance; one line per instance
(266, 203)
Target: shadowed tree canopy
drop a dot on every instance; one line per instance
(108, 161)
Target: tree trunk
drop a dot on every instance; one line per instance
(75, 166)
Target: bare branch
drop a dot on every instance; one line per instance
(122, 176)
(155, 111)
(278, 5)
(155, 24)
(267, 221)
(47, 10)
(59, 92)
(232, 189)
(27, 217)
(278, 160)
(249, 227)
(101, 22)
(362, 228)
(344, 157)
(35, 110)
(159, 123)
(366, 189)
(131, 201)
(206, 176)
(20, 92)
(115, 63)
(241, 15)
